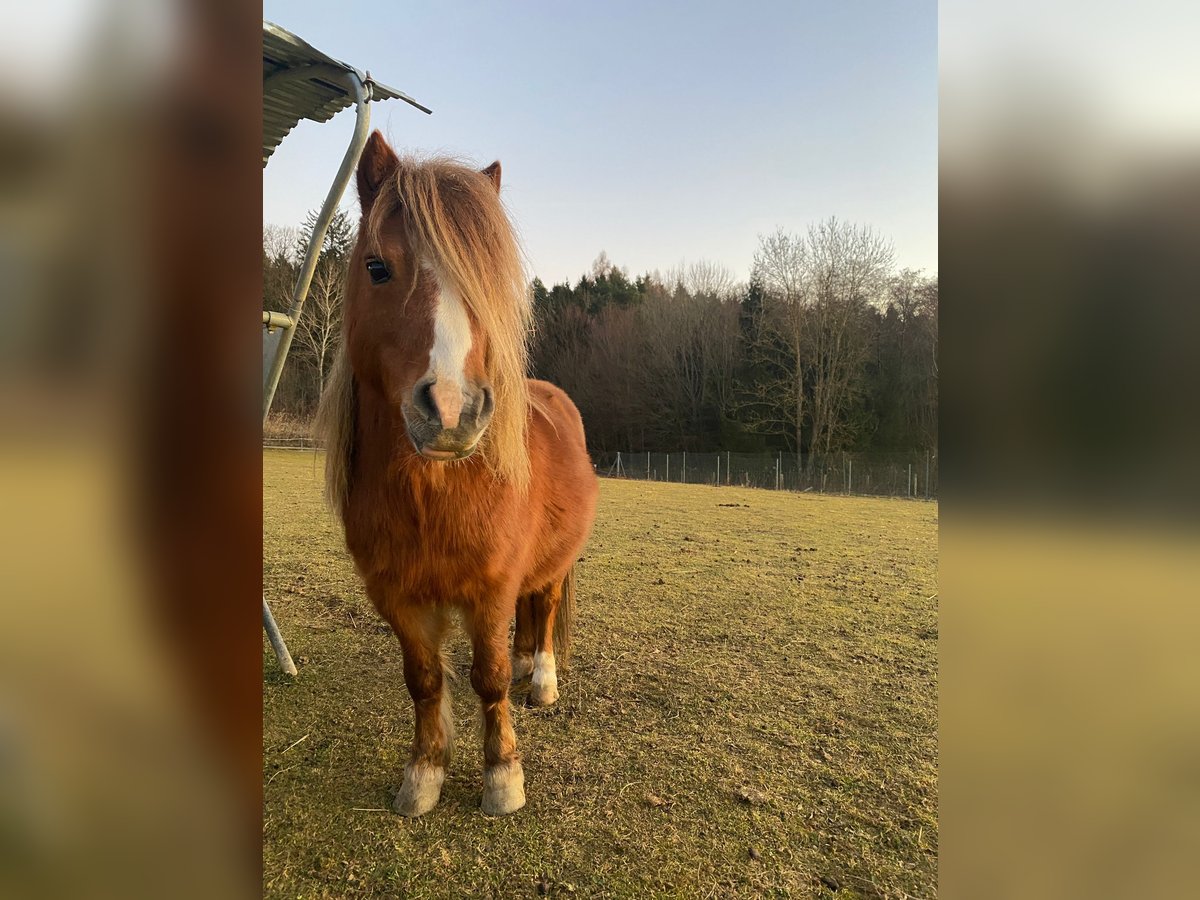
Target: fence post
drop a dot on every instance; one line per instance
(849, 475)
(668, 478)
(718, 470)
(647, 465)
(728, 471)
(683, 478)
(927, 475)
(777, 459)
(908, 488)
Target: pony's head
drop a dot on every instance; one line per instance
(437, 311)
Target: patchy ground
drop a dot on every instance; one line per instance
(751, 711)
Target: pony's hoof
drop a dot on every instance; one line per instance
(543, 694)
(503, 789)
(421, 790)
(522, 667)
(544, 689)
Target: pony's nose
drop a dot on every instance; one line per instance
(439, 401)
(444, 402)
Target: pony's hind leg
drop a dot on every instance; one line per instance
(491, 672)
(524, 642)
(420, 632)
(544, 689)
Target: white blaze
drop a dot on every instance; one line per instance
(451, 335)
(448, 355)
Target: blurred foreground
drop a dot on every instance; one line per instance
(129, 539)
(1070, 204)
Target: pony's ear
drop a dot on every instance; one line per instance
(493, 173)
(377, 163)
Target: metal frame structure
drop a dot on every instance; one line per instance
(301, 82)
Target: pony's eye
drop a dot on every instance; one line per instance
(378, 271)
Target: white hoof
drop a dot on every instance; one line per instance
(503, 789)
(421, 790)
(544, 689)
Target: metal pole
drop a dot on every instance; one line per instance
(718, 470)
(668, 478)
(728, 478)
(329, 207)
(849, 476)
(277, 644)
(927, 495)
(909, 485)
(276, 320)
(683, 478)
(647, 465)
(362, 96)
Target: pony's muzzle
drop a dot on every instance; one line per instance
(446, 421)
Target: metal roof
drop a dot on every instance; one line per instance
(287, 101)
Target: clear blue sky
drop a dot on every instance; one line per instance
(659, 132)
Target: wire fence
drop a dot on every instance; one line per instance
(291, 443)
(913, 475)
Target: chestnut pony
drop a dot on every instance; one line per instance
(462, 485)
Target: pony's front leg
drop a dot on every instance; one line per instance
(491, 672)
(421, 631)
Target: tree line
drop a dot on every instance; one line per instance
(827, 347)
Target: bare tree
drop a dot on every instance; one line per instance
(673, 329)
(319, 329)
(723, 351)
(775, 402)
(848, 268)
(615, 378)
(709, 279)
(279, 266)
(809, 338)
(703, 278)
(279, 242)
(602, 266)
(913, 300)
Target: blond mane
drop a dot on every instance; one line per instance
(453, 217)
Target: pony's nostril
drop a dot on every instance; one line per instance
(488, 403)
(423, 398)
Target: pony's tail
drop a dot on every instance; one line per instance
(564, 621)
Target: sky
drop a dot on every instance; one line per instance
(659, 133)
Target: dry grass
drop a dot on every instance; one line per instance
(282, 426)
(751, 711)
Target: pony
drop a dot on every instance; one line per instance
(461, 484)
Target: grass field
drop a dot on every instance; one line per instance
(751, 711)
